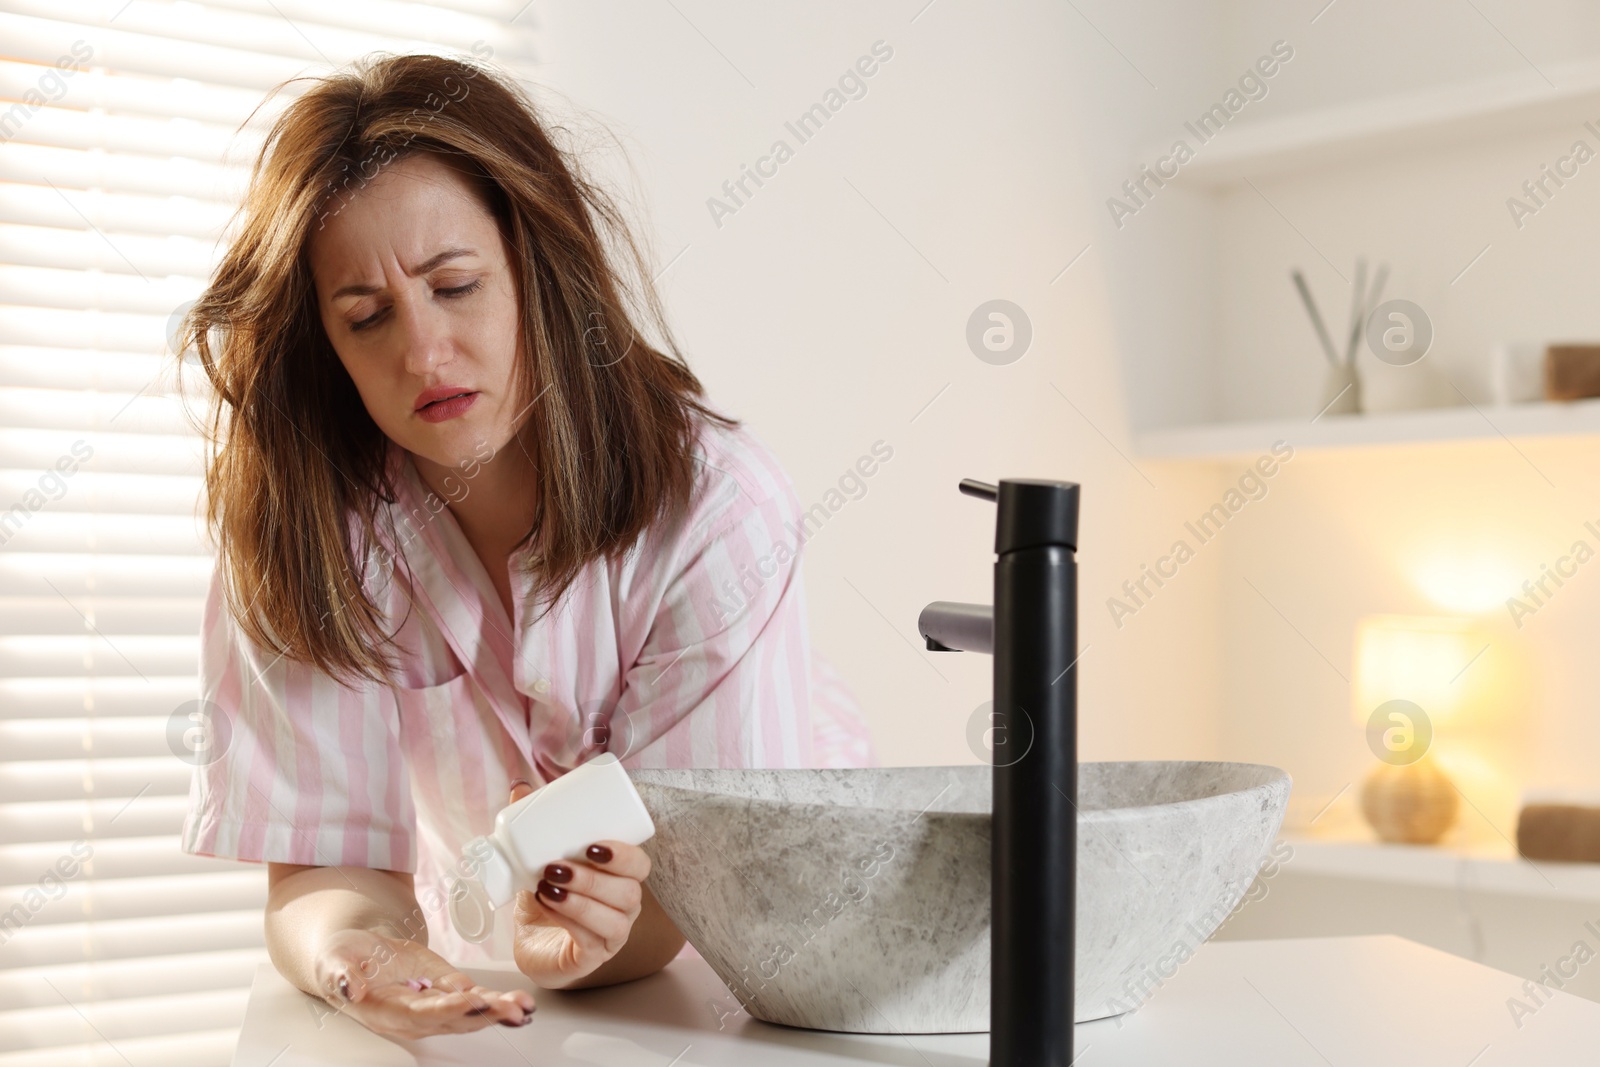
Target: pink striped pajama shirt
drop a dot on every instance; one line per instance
(690, 650)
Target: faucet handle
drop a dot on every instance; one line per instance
(1032, 512)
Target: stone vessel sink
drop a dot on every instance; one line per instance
(857, 899)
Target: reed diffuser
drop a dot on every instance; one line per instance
(1341, 388)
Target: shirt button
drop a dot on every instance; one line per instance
(542, 685)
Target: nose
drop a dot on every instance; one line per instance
(424, 334)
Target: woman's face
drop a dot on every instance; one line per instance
(417, 296)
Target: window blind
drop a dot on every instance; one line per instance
(122, 161)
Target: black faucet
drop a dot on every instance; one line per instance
(1032, 632)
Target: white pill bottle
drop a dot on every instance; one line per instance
(595, 801)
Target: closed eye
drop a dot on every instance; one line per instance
(461, 290)
(368, 321)
(452, 293)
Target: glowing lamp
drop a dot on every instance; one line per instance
(1412, 674)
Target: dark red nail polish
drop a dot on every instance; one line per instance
(557, 872)
(554, 892)
(344, 988)
(599, 853)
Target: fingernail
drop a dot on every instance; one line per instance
(558, 873)
(599, 853)
(554, 892)
(520, 781)
(344, 988)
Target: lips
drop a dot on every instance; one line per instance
(444, 402)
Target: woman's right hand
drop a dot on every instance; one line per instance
(375, 980)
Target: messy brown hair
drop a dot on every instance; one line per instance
(296, 471)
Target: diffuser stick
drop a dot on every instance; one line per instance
(1316, 318)
(1358, 303)
(1375, 294)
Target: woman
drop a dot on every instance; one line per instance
(472, 529)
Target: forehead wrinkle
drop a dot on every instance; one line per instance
(385, 195)
(431, 263)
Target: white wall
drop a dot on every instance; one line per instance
(1446, 528)
(1367, 49)
(989, 142)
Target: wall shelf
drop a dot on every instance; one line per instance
(1246, 440)
(1486, 869)
(1435, 117)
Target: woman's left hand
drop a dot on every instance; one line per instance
(581, 913)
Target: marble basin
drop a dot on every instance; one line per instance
(857, 899)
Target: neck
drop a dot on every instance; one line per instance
(493, 501)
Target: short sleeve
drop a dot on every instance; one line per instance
(294, 767)
(839, 731)
(724, 678)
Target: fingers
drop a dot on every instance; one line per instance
(459, 1002)
(454, 1004)
(618, 857)
(413, 992)
(597, 932)
(591, 902)
(520, 787)
(567, 880)
(613, 882)
(592, 924)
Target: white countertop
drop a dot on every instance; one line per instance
(1367, 1001)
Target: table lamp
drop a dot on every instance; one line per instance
(1411, 677)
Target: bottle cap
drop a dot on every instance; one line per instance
(470, 910)
(474, 898)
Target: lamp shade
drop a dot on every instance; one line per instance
(1432, 661)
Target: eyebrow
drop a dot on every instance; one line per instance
(421, 268)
